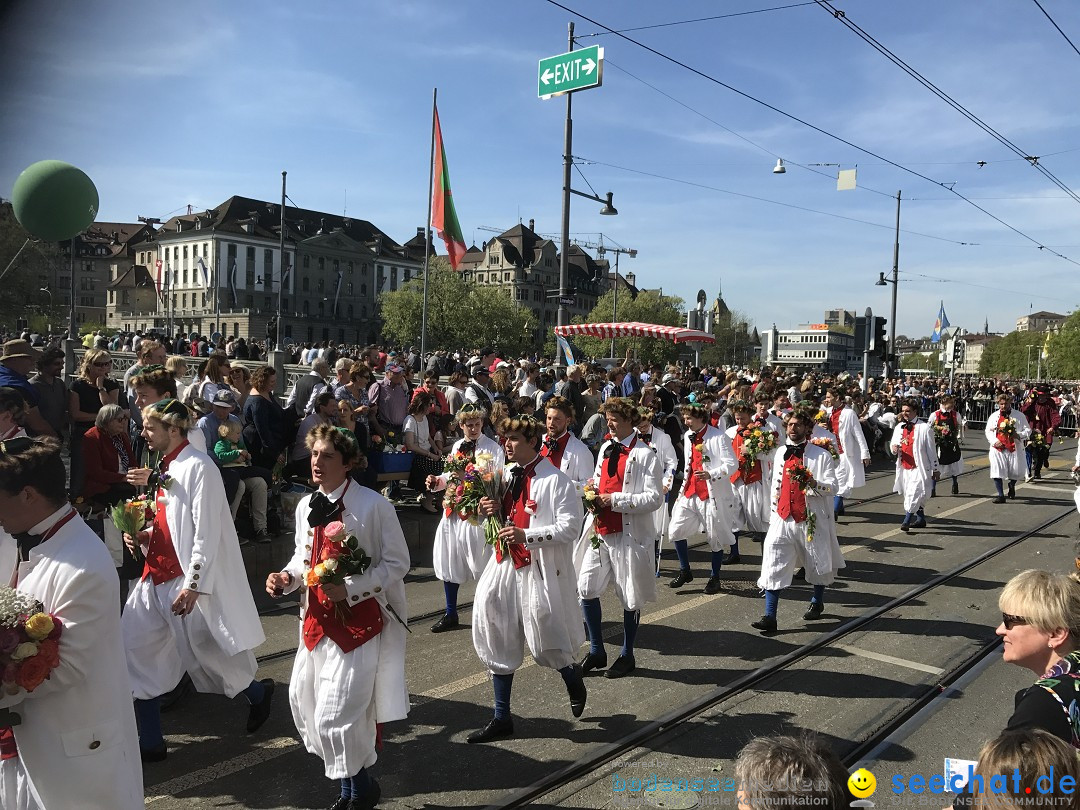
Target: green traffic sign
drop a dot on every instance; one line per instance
(576, 70)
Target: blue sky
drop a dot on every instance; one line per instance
(169, 105)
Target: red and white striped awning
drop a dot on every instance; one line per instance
(675, 334)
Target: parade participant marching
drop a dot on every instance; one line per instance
(76, 744)
(765, 413)
(460, 553)
(945, 422)
(851, 444)
(1006, 431)
(527, 593)
(349, 673)
(561, 447)
(704, 503)
(1043, 418)
(801, 529)
(916, 463)
(752, 444)
(617, 546)
(192, 610)
(655, 438)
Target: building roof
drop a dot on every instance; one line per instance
(521, 246)
(116, 236)
(473, 257)
(582, 267)
(1043, 315)
(415, 246)
(135, 276)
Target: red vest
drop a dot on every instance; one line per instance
(907, 458)
(834, 426)
(693, 486)
(514, 509)
(750, 474)
(346, 625)
(792, 500)
(555, 456)
(606, 521)
(1008, 441)
(162, 564)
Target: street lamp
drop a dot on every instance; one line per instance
(600, 251)
(895, 281)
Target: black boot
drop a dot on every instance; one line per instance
(495, 730)
(685, 577)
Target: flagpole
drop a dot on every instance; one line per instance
(427, 230)
(279, 334)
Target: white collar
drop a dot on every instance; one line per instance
(42, 527)
(626, 442)
(336, 494)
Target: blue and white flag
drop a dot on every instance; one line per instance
(941, 324)
(564, 348)
(205, 272)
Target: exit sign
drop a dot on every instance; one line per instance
(576, 70)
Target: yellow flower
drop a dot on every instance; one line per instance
(27, 649)
(320, 570)
(590, 494)
(39, 626)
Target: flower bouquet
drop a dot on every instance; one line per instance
(826, 443)
(700, 448)
(489, 483)
(804, 480)
(1037, 440)
(464, 490)
(1007, 427)
(129, 517)
(29, 646)
(756, 441)
(591, 501)
(341, 557)
(393, 443)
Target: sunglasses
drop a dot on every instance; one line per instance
(1011, 621)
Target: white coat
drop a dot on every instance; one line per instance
(718, 508)
(957, 467)
(77, 741)
(750, 502)
(537, 604)
(577, 462)
(1010, 466)
(914, 485)
(626, 558)
(850, 469)
(786, 547)
(669, 462)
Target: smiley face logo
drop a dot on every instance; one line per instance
(862, 784)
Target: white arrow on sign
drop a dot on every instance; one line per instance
(589, 66)
(548, 75)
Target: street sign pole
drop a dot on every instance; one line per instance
(568, 161)
(868, 341)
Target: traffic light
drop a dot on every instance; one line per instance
(881, 345)
(958, 352)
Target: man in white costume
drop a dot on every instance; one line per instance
(527, 593)
(950, 458)
(851, 444)
(750, 495)
(916, 463)
(790, 543)
(561, 447)
(704, 505)
(659, 442)
(192, 611)
(628, 481)
(349, 673)
(1006, 431)
(460, 552)
(76, 745)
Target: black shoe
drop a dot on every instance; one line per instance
(814, 611)
(712, 586)
(622, 667)
(998, 499)
(495, 730)
(448, 622)
(342, 803)
(578, 693)
(370, 800)
(955, 488)
(154, 754)
(1012, 490)
(243, 541)
(766, 624)
(905, 526)
(170, 700)
(263, 536)
(685, 577)
(258, 712)
(920, 522)
(731, 559)
(593, 661)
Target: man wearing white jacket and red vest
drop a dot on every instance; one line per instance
(705, 501)
(76, 745)
(916, 463)
(192, 610)
(617, 545)
(801, 529)
(749, 482)
(1006, 431)
(561, 447)
(851, 444)
(349, 673)
(528, 593)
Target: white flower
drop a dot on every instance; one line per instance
(330, 564)
(27, 649)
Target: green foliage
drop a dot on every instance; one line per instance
(1063, 362)
(20, 290)
(1009, 355)
(647, 307)
(459, 313)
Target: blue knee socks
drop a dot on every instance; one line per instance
(1000, 489)
(838, 503)
(819, 594)
(450, 589)
(503, 684)
(594, 624)
(148, 713)
(255, 692)
(356, 787)
(630, 621)
(772, 599)
(684, 554)
(717, 562)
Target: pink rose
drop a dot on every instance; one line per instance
(9, 640)
(335, 531)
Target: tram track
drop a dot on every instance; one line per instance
(677, 717)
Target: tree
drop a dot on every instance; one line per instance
(1009, 356)
(20, 290)
(459, 313)
(647, 307)
(1064, 360)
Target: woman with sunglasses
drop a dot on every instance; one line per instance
(91, 390)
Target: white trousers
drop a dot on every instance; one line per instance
(623, 561)
(460, 552)
(15, 791)
(161, 646)
(691, 515)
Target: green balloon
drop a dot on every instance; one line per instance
(54, 200)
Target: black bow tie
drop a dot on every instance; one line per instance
(468, 448)
(551, 444)
(517, 481)
(612, 453)
(645, 437)
(908, 427)
(321, 510)
(26, 541)
(795, 450)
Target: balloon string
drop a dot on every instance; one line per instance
(13, 258)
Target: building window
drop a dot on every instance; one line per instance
(506, 276)
(337, 266)
(393, 278)
(350, 289)
(183, 299)
(304, 283)
(185, 251)
(321, 284)
(493, 259)
(322, 309)
(363, 289)
(322, 263)
(307, 261)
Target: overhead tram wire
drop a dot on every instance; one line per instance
(697, 20)
(1058, 27)
(841, 17)
(814, 127)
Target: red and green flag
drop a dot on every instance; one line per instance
(444, 219)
